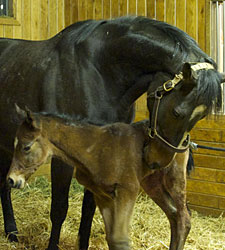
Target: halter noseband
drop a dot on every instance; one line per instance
(158, 94)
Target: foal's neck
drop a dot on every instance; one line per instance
(69, 142)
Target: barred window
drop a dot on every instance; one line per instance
(6, 8)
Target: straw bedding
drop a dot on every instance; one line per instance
(149, 230)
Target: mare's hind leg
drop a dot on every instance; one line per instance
(88, 210)
(116, 213)
(168, 189)
(5, 191)
(61, 178)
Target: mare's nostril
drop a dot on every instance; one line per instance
(10, 182)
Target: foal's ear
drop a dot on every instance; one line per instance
(21, 113)
(32, 120)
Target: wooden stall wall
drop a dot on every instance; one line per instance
(41, 19)
(34, 19)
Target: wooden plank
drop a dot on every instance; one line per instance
(208, 174)
(1, 30)
(205, 174)
(201, 24)
(52, 18)
(82, 8)
(203, 200)
(35, 20)
(160, 10)
(8, 31)
(123, 7)
(213, 135)
(191, 19)
(44, 19)
(207, 27)
(60, 16)
(17, 29)
(209, 161)
(222, 203)
(106, 9)
(151, 8)
(215, 122)
(204, 187)
(115, 8)
(132, 4)
(208, 211)
(26, 23)
(67, 12)
(98, 9)
(141, 9)
(90, 9)
(181, 14)
(74, 14)
(141, 115)
(170, 12)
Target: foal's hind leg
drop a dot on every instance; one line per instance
(168, 189)
(117, 213)
(61, 178)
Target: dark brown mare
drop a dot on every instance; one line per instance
(93, 70)
(113, 161)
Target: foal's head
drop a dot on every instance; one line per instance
(31, 149)
(176, 105)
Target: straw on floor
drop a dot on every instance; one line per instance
(149, 229)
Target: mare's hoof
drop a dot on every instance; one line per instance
(12, 237)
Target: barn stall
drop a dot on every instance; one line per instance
(41, 19)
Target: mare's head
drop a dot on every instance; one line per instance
(177, 104)
(31, 149)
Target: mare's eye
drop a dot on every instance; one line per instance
(26, 148)
(175, 113)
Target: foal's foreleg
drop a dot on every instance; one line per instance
(116, 214)
(168, 190)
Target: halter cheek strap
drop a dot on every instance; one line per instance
(158, 94)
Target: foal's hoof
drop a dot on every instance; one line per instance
(12, 237)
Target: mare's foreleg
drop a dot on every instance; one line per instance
(5, 191)
(168, 189)
(61, 176)
(116, 213)
(9, 220)
(88, 210)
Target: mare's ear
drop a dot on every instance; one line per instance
(188, 73)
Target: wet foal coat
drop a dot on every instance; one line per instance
(108, 160)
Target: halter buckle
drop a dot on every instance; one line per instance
(168, 85)
(151, 133)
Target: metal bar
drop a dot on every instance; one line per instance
(7, 7)
(217, 34)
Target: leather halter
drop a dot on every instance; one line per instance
(158, 94)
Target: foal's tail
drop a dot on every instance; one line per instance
(190, 163)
